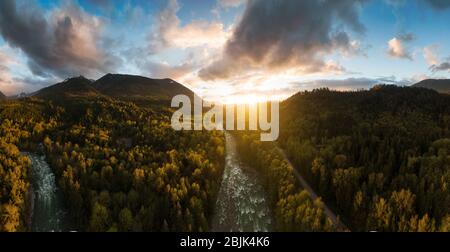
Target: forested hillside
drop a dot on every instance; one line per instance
(381, 158)
(121, 167)
(294, 211)
(21, 125)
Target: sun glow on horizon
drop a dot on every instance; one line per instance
(245, 99)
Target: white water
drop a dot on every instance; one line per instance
(48, 211)
(241, 203)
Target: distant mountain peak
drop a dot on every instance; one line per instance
(77, 80)
(124, 85)
(71, 87)
(439, 85)
(121, 86)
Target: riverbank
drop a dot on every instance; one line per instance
(45, 208)
(241, 203)
(29, 208)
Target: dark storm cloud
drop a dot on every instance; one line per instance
(62, 44)
(275, 34)
(445, 66)
(435, 4)
(439, 4)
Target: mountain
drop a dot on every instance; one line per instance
(2, 96)
(140, 90)
(374, 102)
(73, 87)
(131, 86)
(441, 86)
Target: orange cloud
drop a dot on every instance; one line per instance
(170, 33)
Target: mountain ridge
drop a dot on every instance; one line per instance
(439, 85)
(120, 86)
(72, 87)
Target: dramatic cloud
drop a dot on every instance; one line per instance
(429, 53)
(63, 43)
(239, 47)
(444, 66)
(279, 35)
(436, 65)
(397, 47)
(435, 4)
(170, 33)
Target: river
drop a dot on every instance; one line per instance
(241, 203)
(47, 210)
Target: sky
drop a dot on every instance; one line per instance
(226, 50)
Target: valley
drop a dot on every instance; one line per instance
(345, 161)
